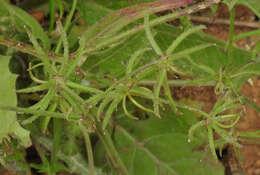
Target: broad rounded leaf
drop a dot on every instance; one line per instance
(160, 146)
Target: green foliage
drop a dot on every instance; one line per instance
(112, 90)
(160, 146)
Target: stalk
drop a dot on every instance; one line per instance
(111, 151)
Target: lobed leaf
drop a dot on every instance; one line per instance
(8, 122)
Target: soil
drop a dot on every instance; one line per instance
(250, 152)
(250, 121)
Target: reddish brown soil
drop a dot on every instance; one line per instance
(251, 120)
(203, 94)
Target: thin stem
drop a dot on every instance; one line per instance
(60, 8)
(231, 33)
(176, 83)
(83, 88)
(204, 114)
(111, 150)
(64, 39)
(211, 142)
(256, 50)
(46, 119)
(52, 13)
(40, 112)
(89, 148)
(168, 94)
(194, 127)
(184, 35)
(67, 23)
(246, 34)
(26, 48)
(79, 56)
(40, 87)
(126, 111)
(57, 136)
(33, 77)
(43, 56)
(138, 104)
(107, 148)
(150, 37)
(250, 103)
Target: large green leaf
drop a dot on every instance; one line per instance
(8, 121)
(160, 146)
(112, 61)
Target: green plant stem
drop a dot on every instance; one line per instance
(41, 87)
(150, 37)
(157, 89)
(109, 153)
(76, 99)
(88, 148)
(211, 142)
(250, 103)
(194, 127)
(154, 22)
(46, 119)
(231, 33)
(67, 24)
(26, 48)
(73, 94)
(111, 150)
(196, 82)
(57, 135)
(168, 94)
(83, 88)
(43, 56)
(79, 56)
(184, 35)
(256, 50)
(52, 15)
(246, 34)
(40, 112)
(60, 8)
(64, 39)
(173, 57)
